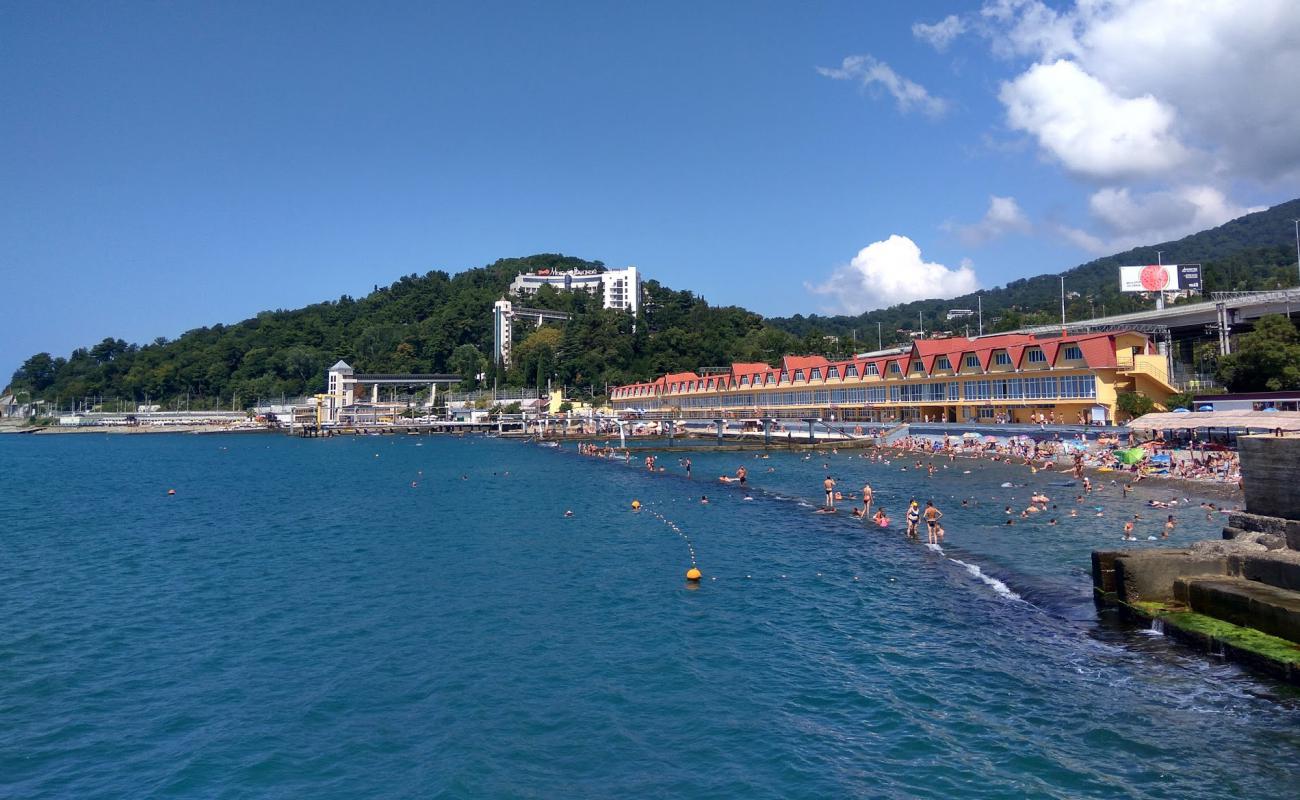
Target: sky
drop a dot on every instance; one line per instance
(166, 166)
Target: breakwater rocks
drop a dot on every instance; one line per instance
(1238, 597)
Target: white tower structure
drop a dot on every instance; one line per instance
(340, 390)
(502, 317)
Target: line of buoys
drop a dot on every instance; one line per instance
(693, 574)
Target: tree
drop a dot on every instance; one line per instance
(1134, 404)
(1266, 359)
(467, 362)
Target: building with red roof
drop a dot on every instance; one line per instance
(1011, 377)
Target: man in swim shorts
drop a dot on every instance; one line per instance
(741, 475)
(829, 485)
(932, 517)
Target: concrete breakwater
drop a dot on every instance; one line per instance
(1238, 597)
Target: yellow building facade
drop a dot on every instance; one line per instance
(1001, 378)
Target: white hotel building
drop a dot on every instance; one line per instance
(618, 288)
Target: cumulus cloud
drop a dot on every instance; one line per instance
(1125, 220)
(1089, 129)
(888, 272)
(940, 34)
(875, 75)
(1004, 216)
(1215, 77)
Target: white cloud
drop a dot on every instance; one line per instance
(1003, 216)
(940, 34)
(874, 74)
(1092, 131)
(889, 272)
(1214, 76)
(1125, 220)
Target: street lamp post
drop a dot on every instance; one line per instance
(1297, 245)
(1160, 295)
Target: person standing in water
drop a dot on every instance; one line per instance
(913, 518)
(932, 517)
(866, 500)
(829, 485)
(686, 462)
(1170, 524)
(742, 475)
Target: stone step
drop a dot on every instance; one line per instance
(1244, 602)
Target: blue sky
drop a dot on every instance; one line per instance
(168, 166)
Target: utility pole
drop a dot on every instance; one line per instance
(1297, 245)
(1062, 304)
(979, 299)
(1160, 295)
(880, 339)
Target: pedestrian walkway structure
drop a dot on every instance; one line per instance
(341, 402)
(1005, 377)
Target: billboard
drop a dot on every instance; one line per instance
(1161, 278)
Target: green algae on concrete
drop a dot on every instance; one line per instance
(1253, 648)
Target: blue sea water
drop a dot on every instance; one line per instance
(300, 620)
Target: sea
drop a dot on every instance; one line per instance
(401, 617)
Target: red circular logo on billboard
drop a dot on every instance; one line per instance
(1154, 277)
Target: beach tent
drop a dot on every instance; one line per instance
(1223, 420)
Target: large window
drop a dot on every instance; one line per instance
(1010, 389)
(936, 392)
(1078, 386)
(978, 390)
(1040, 388)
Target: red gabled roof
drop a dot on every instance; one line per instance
(792, 363)
(748, 368)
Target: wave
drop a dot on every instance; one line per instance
(993, 583)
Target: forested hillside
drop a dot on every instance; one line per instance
(1254, 252)
(442, 323)
(430, 323)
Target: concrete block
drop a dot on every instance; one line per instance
(1247, 603)
(1280, 570)
(1269, 465)
(1149, 575)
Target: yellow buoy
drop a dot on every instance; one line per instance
(693, 574)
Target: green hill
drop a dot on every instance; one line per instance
(439, 322)
(429, 323)
(1254, 252)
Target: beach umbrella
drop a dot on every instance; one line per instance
(1273, 410)
(1181, 411)
(970, 435)
(1131, 455)
(990, 438)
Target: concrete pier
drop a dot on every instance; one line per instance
(1238, 596)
